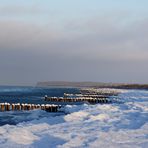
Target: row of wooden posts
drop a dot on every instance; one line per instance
(106, 92)
(81, 99)
(85, 95)
(48, 107)
(19, 107)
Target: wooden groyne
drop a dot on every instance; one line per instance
(21, 107)
(85, 95)
(81, 99)
(90, 95)
(99, 92)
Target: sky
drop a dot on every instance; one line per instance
(73, 40)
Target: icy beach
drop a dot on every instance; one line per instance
(115, 125)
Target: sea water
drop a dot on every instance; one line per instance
(34, 95)
(31, 95)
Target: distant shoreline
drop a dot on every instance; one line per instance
(91, 84)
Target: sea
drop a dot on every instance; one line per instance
(116, 125)
(31, 95)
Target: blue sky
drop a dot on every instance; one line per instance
(81, 40)
(68, 9)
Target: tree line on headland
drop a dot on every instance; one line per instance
(91, 84)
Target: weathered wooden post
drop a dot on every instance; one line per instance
(28, 106)
(46, 97)
(25, 106)
(47, 107)
(5, 104)
(38, 106)
(43, 107)
(56, 108)
(53, 108)
(8, 107)
(32, 106)
(2, 107)
(50, 108)
(18, 106)
(13, 107)
(22, 106)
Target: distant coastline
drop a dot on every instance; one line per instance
(91, 84)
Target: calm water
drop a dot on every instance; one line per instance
(33, 95)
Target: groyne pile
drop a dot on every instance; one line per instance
(22, 107)
(87, 95)
(90, 95)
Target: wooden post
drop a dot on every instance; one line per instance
(56, 108)
(59, 106)
(43, 107)
(5, 104)
(46, 97)
(22, 106)
(47, 107)
(50, 108)
(38, 106)
(2, 107)
(32, 106)
(18, 106)
(25, 106)
(8, 106)
(28, 106)
(13, 107)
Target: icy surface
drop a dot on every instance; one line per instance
(112, 125)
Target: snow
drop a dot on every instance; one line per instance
(110, 125)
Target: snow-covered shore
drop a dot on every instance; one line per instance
(109, 125)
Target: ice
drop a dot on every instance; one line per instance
(76, 116)
(84, 126)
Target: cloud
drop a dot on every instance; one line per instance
(24, 36)
(78, 51)
(105, 42)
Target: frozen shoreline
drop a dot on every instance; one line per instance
(109, 125)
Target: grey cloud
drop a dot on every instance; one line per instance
(98, 43)
(31, 53)
(23, 36)
(32, 67)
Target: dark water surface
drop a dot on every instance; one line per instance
(32, 95)
(13, 94)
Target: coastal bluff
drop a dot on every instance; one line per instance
(91, 84)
